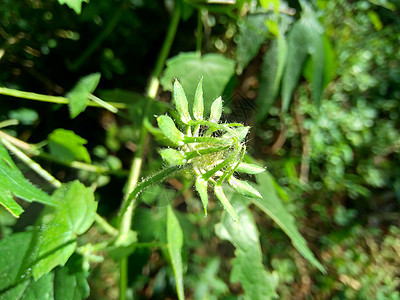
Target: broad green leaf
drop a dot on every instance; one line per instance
(79, 95)
(252, 34)
(181, 102)
(216, 110)
(271, 75)
(305, 38)
(76, 5)
(244, 188)
(198, 103)
(189, 67)
(249, 168)
(173, 157)
(169, 129)
(247, 267)
(226, 203)
(201, 187)
(271, 205)
(175, 242)
(17, 256)
(74, 215)
(65, 145)
(13, 183)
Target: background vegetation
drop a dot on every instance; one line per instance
(318, 81)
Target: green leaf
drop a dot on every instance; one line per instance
(188, 67)
(175, 241)
(243, 187)
(76, 5)
(216, 110)
(247, 267)
(13, 183)
(271, 75)
(181, 102)
(173, 157)
(271, 205)
(305, 38)
(225, 203)
(169, 129)
(201, 187)
(74, 215)
(17, 256)
(79, 95)
(198, 103)
(249, 168)
(252, 34)
(65, 145)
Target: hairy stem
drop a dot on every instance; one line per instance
(129, 202)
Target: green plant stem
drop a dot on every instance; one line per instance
(103, 224)
(29, 162)
(32, 150)
(128, 205)
(51, 99)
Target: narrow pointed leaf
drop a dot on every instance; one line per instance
(169, 129)
(175, 242)
(198, 103)
(216, 110)
(244, 188)
(272, 205)
(13, 183)
(201, 187)
(249, 168)
(247, 266)
(181, 102)
(173, 157)
(225, 202)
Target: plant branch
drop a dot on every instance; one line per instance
(51, 99)
(128, 205)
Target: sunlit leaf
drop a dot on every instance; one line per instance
(175, 242)
(226, 203)
(189, 67)
(74, 215)
(79, 95)
(13, 183)
(243, 187)
(181, 102)
(216, 110)
(249, 168)
(198, 103)
(173, 157)
(66, 146)
(76, 5)
(167, 126)
(201, 187)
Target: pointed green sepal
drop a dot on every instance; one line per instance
(173, 157)
(181, 102)
(216, 110)
(198, 104)
(244, 188)
(226, 204)
(249, 168)
(167, 126)
(201, 187)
